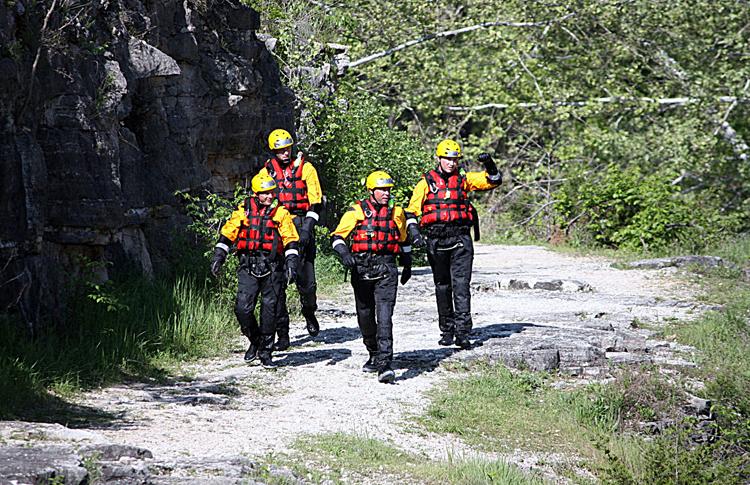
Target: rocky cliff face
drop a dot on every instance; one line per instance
(107, 108)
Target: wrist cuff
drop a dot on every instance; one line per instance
(223, 246)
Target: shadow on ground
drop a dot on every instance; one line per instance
(337, 335)
(417, 362)
(305, 357)
(52, 409)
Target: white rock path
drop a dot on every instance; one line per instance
(320, 387)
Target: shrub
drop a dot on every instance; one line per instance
(358, 140)
(625, 208)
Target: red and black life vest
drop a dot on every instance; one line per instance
(261, 231)
(378, 233)
(446, 202)
(292, 189)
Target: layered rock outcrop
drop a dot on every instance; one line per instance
(108, 107)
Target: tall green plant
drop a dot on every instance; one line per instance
(357, 141)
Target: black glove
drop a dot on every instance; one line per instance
(416, 238)
(489, 164)
(405, 260)
(405, 274)
(290, 266)
(220, 256)
(346, 257)
(306, 232)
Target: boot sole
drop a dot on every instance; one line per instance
(387, 377)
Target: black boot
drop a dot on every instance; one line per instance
(252, 352)
(446, 339)
(370, 366)
(266, 362)
(264, 351)
(313, 328)
(282, 343)
(386, 375)
(463, 342)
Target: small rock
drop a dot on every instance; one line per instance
(697, 405)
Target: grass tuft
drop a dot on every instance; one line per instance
(345, 455)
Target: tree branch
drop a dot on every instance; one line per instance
(680, 101)
(447, 33)
(35, 65)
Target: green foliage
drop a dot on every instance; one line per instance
(136, 327)
(358, 141)
(627, 209)
(632, 51)
(208, 213)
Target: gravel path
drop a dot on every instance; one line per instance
(586, 319)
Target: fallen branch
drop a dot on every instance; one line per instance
(447, 33)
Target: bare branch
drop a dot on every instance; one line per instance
(533, 78)
(36, 58)
(447, 33)
(680, 101)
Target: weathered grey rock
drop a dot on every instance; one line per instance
(603, 326)
(536, 360)
(41, 465)
(680, 261)
(571, 286)
(125, 473)
(626, 358)
(114, 452)
(139, 99)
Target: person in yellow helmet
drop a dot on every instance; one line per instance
(441, 199)
(300, 193)
(377, 230)
(266, 241)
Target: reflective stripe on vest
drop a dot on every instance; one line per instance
(261, 231)
(446, 202)
(292, 189)
(378, 233)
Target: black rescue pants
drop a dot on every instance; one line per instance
(451, 260)
(374, 299)
(306, 285)
(267, 282)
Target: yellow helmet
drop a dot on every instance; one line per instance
(262, 183)
(448, 149)
(279, 139)
(378, 180)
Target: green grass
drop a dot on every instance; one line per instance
(133, 328)
(347, 457)
(498, 410)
